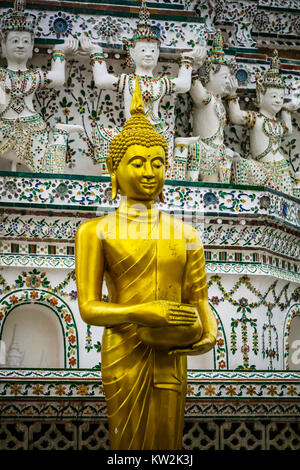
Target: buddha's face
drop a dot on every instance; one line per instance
(272, 100)
(141, 172)
(220, 81)
(18, 46)
(145, 54)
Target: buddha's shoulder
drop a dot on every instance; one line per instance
(93, 226)
(190, 233)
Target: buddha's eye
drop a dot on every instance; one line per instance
(157, 164)
(137, 163)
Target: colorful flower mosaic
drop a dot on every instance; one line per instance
(245, 325)
(94, 193)
(201, 385)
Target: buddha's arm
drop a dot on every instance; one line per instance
(89, 279)
(195, 293)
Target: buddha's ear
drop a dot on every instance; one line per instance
(161, 196)
(113, 177)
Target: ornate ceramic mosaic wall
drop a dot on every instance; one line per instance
(251, 249)
(66, 410)
(243, 394)
(251, 30)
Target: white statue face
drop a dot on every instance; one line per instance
(272, 100)
(18, 46)
(219, 81)
(145, 54)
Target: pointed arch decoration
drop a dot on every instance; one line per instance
(60, 308)
(220, 350)
(294, 311)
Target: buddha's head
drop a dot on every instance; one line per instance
(138, 157)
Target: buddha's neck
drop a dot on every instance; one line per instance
(133, 207)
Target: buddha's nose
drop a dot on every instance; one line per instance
(148, 170)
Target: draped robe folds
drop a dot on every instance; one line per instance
(145, 388)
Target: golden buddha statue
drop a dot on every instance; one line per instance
(158, 312)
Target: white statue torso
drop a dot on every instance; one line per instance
(265, 139)
(153, 90)
(18, 90)
(209, 120)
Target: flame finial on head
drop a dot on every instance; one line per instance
(17, 20)
(19, 5)
(143, 31)
(272, 77)
(217, 55)
(137, 103)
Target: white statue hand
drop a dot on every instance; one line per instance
(233, 86)
(198, 54)
(294, 102)
(88, 46)
(69, 46)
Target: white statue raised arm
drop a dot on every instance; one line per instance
(143, 54)
(24, 137)
(267, 165)
(208, 159)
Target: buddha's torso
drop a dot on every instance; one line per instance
(144, 269)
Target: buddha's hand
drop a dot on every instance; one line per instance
(69, 46)
(165, 313)
(294, 102)
(206, 343)
(88, 47)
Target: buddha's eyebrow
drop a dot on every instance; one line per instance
(137, 157)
